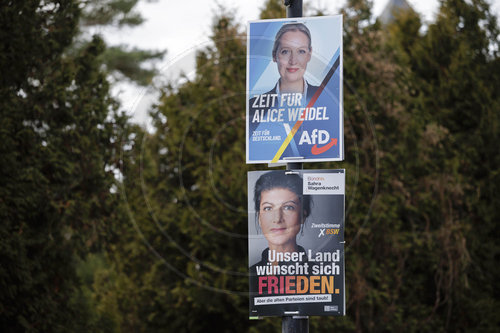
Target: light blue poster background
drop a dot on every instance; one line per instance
(262, 76)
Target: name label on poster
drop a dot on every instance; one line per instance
(324, 183)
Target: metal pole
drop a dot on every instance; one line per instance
(294, 324)
(293, 8)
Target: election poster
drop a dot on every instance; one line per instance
(296, 242)
(294, 108)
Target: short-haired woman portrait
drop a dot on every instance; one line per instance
(281, 212)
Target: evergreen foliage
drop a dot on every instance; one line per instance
(122, 62)
(125, 63)
(415, 147)
(421, 108)
(60, 134)
(110, 12)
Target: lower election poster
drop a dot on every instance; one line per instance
(296, 242)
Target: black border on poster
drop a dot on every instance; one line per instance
(322, 242)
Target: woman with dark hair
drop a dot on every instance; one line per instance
(281, 211)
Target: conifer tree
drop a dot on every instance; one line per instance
(121, 61)
(414, 261)
(60, 134)
(454, 77)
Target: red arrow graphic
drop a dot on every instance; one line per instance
(316, 151)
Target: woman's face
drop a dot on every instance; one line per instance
(292, 56)
(280, 217)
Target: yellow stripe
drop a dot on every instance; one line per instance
(285, 143)
(304, 112)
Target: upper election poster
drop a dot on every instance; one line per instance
(296, 242)
(294, 90)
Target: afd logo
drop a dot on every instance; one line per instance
(317, 137)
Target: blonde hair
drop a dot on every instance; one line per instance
(290, 27)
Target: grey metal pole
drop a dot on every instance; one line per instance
(294, 324)
(293, 8)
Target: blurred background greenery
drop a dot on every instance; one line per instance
(107, 227)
